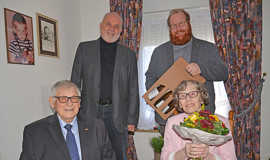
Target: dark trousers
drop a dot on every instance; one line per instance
(119, 140)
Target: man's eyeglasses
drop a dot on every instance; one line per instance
(178, 25)
(65, 99)
(191, 94)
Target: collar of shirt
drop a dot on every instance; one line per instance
(74, 130)
(74, 124)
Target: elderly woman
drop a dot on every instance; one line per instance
(190, 96)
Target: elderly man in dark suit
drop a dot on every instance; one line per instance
(64, 135)
(106, 71)
(202, 56)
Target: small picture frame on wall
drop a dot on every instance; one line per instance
(19, 38)
(47, 33)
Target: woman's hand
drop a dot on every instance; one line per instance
(193, 150)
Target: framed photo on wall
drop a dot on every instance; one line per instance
(47, 33)
(19, 38)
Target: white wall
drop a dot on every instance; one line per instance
(24, 89)
(265, 107)
(92, 13)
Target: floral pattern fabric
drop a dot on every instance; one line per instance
(237, 26)
(131, 12)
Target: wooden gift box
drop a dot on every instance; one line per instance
(160, 97)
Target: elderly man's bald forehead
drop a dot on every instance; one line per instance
(114, 14)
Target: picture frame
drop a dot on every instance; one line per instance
(19, 38)
(47, 33)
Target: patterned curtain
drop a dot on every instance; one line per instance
(131, 12)
(237, 26)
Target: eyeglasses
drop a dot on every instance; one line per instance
(65, 99)
(191, 94)
(178, 25)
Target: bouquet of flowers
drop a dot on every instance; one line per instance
(203, 127)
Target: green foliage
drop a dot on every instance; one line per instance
(157, 143)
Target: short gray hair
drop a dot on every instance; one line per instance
(64, 84)
(199, 86)
(175, 11)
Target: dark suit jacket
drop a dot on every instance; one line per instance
(86, 74)
(204, 53)
(43, 140)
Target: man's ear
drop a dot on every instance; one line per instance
(52, 102)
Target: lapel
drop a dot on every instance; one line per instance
(194, 50)
(170, 54)
(85, 134)
(117, 63)
(57, 135)
(98, 69)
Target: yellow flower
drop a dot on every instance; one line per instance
(214, 117)
(190, 125)
(193, 118)
(197, 114)
(203, 106)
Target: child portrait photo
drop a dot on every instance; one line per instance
(19, 38)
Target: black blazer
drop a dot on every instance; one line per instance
(43, 140)
(86, 74)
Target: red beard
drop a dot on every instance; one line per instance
(176, 40)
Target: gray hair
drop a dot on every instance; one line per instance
(199, 86)
(115, 14)
(175, 11)
(64, 84)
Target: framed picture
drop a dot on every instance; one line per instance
(19, 38)
(47, 31)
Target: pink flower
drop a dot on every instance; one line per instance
(206, 124)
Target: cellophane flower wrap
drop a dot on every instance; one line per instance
(203, 127)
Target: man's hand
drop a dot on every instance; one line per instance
(193, 69)
(131, 128)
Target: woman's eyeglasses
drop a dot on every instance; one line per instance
(191, 94)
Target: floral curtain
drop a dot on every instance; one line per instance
(131, 12)
(237, 26)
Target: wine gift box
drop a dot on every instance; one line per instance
(160, 95)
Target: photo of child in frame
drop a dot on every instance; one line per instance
(47, 34)
(19, 38)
